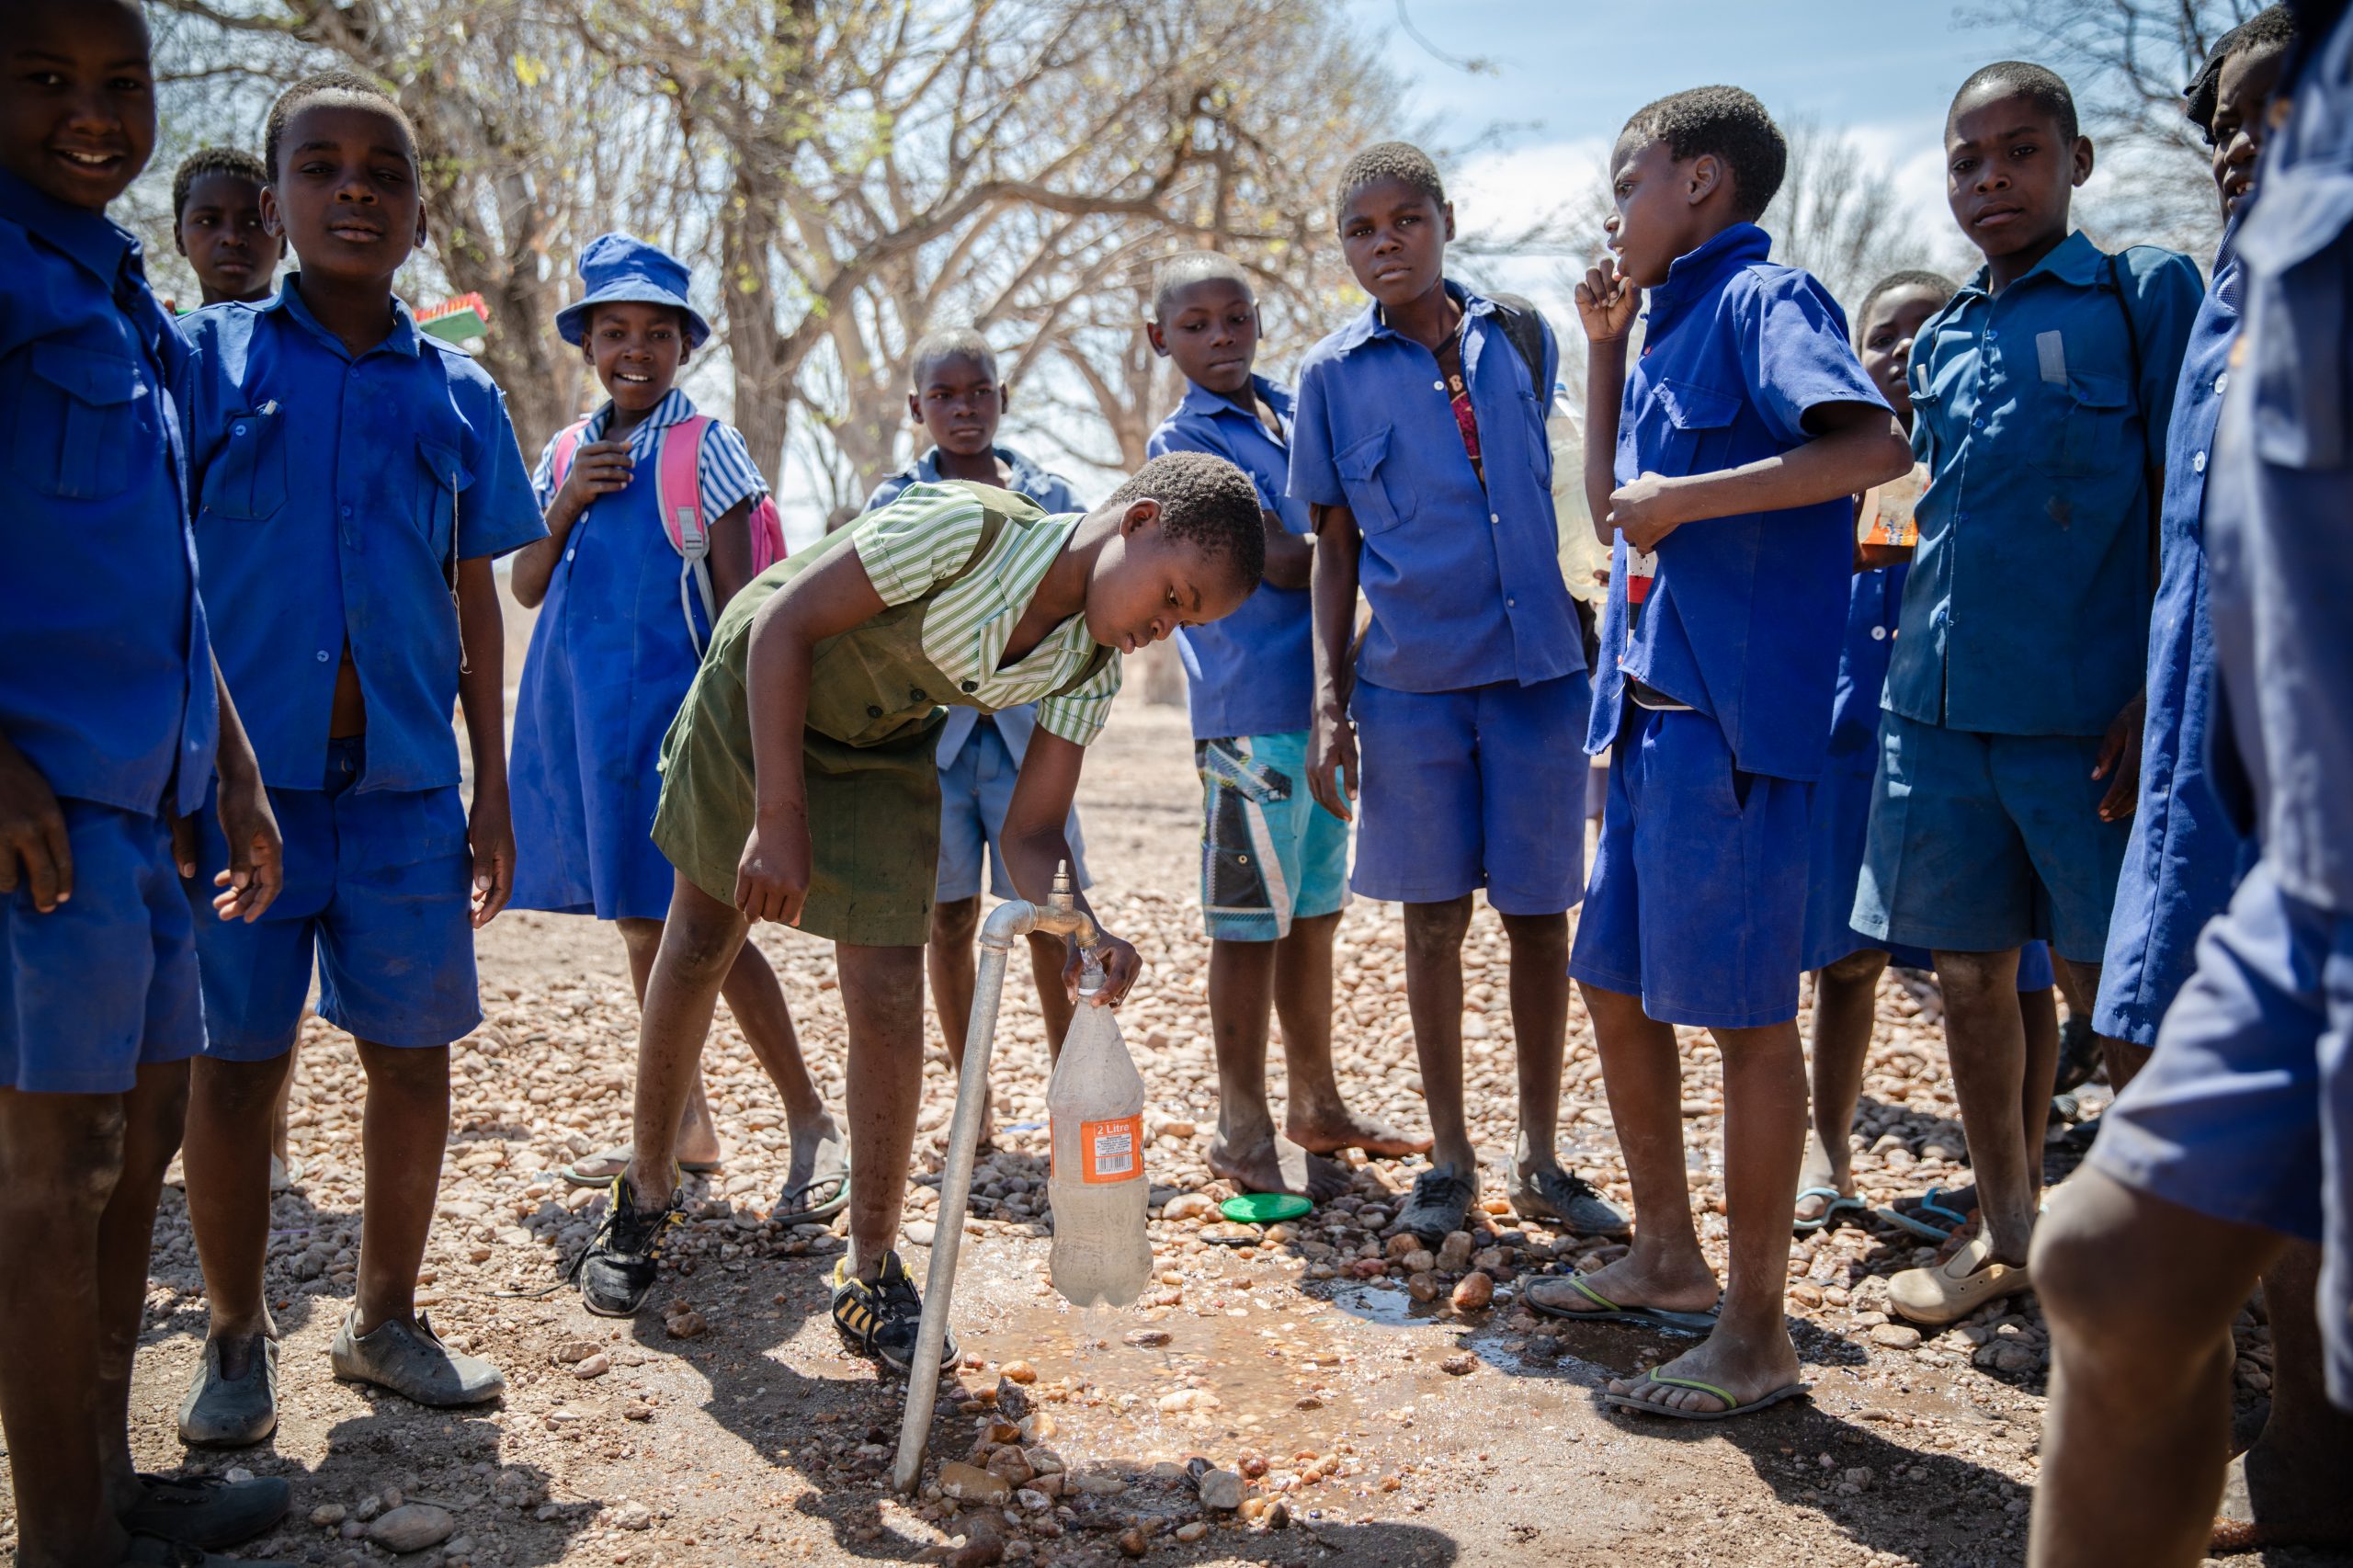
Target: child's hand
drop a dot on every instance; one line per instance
(1643, 510)
(492, 832)
(2120, 754)
(772, 879)
(1121, 964)
(32, 829)
(1606, 302)
(1332, 765)
(255, 871)
(600, 467)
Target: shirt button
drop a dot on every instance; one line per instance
(873, 712)
(1437, 386)
(323, 655)
(347, 511)
(1495, 518)
(2221, 383)
(236, 429)
(1511, 604)
(1878, 634)
(971, 685)
(2198, 463)
(1991, 334)
(570, 554)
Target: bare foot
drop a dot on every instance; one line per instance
(2273, 1497)
(1819, 1171)
(819, 1174)
(1629, 1283)
(1321, 1132)
(1275, 1163)
(1747, 1370)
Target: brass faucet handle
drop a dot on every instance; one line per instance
(1063, 899)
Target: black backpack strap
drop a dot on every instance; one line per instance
(2124, 302)
(1524, 324)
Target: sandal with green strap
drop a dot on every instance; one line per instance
(1732, 1406)
(1604, 1310)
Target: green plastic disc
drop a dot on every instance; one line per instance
(1264, 1208)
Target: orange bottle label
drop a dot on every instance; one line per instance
(1111, 1151)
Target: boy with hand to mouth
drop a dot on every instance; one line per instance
(2008, 753)
(1420, 447)
(1726, 466)
(622, 624)
(217, 224)
(958, 398)
(799, 785)
(113, 718)
(1274, 865)
(356, 477)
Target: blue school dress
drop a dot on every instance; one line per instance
(2186, 854)
(609, 661)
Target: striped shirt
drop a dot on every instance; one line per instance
(923, 539)
(728, 475)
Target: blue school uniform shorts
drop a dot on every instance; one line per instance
(105, 983)
(1980, 842)
(378, 892)
(974, 791)
(1698, 898)
(1269, 854)
(2244, 1112)
(1470, 790)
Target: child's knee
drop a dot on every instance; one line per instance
(2105, 1290)
(1864, 963)
(60, 1153)
(1971, 976)
(236, 1089)
(1435, 930)
(422, 1071)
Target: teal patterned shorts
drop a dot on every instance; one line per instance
(1269, 854)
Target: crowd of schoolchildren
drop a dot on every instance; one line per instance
(1998, 628)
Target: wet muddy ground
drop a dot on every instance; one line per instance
(1357, 1422)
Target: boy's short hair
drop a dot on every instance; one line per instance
(2038, 84)
(1189, 267)
(1205, 502)
(1400, 161)
(234, 162)
(326, 85)
(1936, 283)
(2273, 24)
(1727, 123)
(948, 343)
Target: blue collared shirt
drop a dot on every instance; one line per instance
(1465, 580)
(105, 676)
(2280, 496)
(1050, 490)
(1745, 614)
(327, 489)
(1253, 673)
(2027, 612)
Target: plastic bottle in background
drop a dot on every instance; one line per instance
(1094, 1104)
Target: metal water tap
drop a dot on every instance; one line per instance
(1061, 916)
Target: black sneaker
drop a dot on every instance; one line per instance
(1439, 1203)
(1570, 1201)
(882, 1317)
(2079, 1053)
(624, 1255)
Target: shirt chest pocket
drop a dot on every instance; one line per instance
(75, 419)
(442, 480)
(246, 478)
(1691, 414)
(1378, 491)
(2080, 425)
(2302, 276)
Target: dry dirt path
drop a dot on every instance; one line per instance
(1373, 1427)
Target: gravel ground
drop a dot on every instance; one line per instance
(1356, 1413)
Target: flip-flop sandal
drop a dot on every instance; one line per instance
(1606, 1310)
(579, 1174)
(1931, 1221)
(1732, 1406)
(785, 1214)
(1828, 1217)
(285, 1174)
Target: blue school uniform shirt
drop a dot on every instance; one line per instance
(2028, 608)
(1745, 614)
(2186, 854)
(1464, 579)
(1253, 673)
(1051, 491)
(326, 490)
(609, 661)
(106, 674)
(2278, 525)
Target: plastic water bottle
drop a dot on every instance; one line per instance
(1094, 1104)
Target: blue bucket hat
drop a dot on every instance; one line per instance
(622, 267)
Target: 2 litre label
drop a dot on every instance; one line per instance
(1111, 1151)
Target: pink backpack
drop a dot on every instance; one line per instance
(677, 490)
